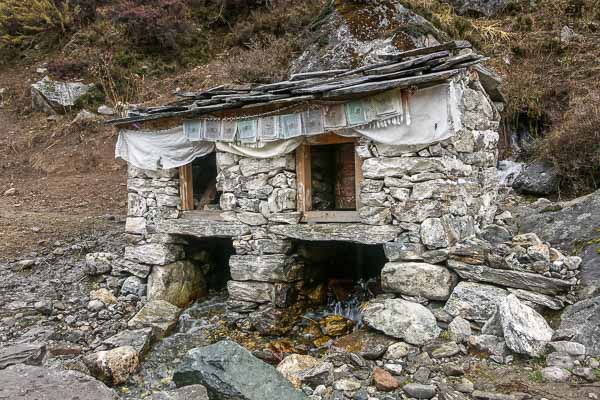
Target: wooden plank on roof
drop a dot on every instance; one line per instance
(453, 45)
(457, 60)
(394, 83)
(331, 86)
(317, 74)
(407, 64)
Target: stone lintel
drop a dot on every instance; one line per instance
(358, 233)
(198, 226)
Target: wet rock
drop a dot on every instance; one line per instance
(192, 392)
(368, 344)
(336, 325)
(525, 331)
(581, 323)
(30, 354)
(113, 366)
(179, 283)
(402, 319)
(51, 384)
(229, 371)
(294, 364)
(460, 329)
(384, 381)
(555, 374)
(430, 281)
(474, 301)
(538, 178)
(159, 315)
(258, 292)
(419, 391)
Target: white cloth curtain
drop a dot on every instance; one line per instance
(159, 149)
(269, 150)
(432, 117)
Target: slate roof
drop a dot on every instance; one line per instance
(406, 69)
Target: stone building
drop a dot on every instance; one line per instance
(343, 174)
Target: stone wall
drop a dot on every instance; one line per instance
(417, 201)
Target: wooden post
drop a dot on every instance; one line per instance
(303, 178)
(358, 177)
(186, 187)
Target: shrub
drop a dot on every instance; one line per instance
(65, 69)
(24, 21)
(574, 146)
(156, 25)
(265, 61)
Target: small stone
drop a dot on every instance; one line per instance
(395, 369)
(347, 385)
(398, 351)
(10, 192)
(383, 380)
(104, 295)
(133, 285)
(464, 386)
(105, 110)
(113, 366)
(95, 305)
(585, 373)
(422, 375)
(444, 350)
(460, 329)
(419, 391)
(562, 360)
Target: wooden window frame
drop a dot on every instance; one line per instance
(186, 193)
(304, 182)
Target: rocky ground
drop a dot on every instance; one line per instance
(61, 322)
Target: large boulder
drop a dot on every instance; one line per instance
(525, 331)
(581, 323)
(402, 319)
(474, 301)
(537, 178)
(24, 382)
(572, 227)
(229, 371)
(432, 282)
(179, 283)
(56, 97)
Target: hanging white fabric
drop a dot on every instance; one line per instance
(159, 149)
(431, 116)
(272, 149)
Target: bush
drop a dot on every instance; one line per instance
(66, 69)
(264, 62)
(24, 21)
(574, 146)
(156, 25)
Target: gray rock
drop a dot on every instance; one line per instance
(30, 354)
(126, 267)
(159, 315)
(50, 384)
(555, 374)
(538, 298)
(525, 331)
(567, 225)
(419, 391)
(537, 178)
(56, 97)
(265, 268)
(586, 373)
(133, 285)
(474, 301)
(572, 348)
(113, 366)
(515, 279)
(444, 350)
(192, 392)
(105, 110)
(402, 319)
(139, 339)
(486, 8)
(99, 263)
(154, 253)
(433, 233)
(562, 360)
(366, 234)
(257, 292)
(229, 371)
(490, 344)
(460, 329)
(430, 281)
(582, 321)
(95, 305)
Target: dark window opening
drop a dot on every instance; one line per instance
(204, 178)
(333, 177)
(341, 274)
(211, 255)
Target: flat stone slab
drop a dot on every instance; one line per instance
(265, 268)
(31, 354)
(199, 227)
(365, 234)
(515, 279)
